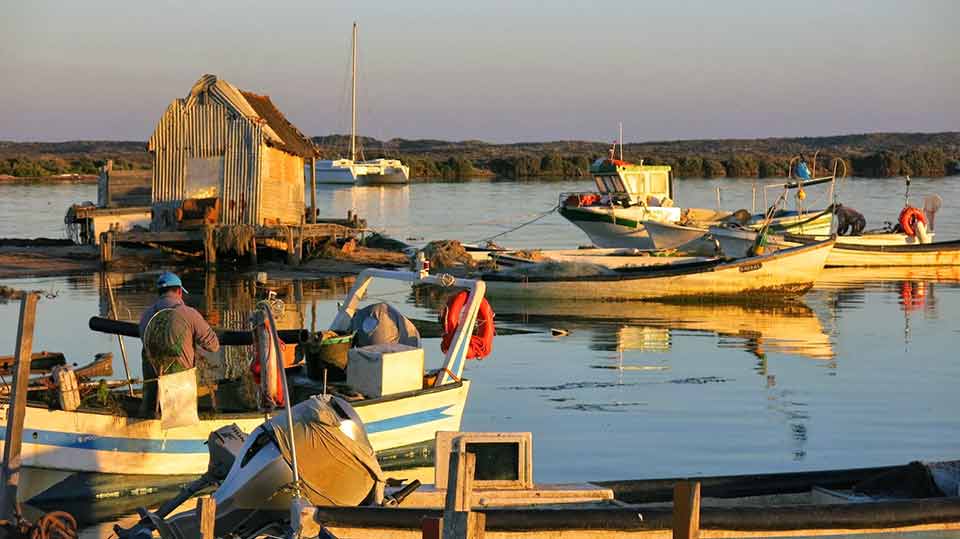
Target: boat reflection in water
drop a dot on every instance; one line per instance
(789, 328)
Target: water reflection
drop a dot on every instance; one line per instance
(791, 328)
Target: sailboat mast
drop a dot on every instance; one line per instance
(353, 98)
(621, 141)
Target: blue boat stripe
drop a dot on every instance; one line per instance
(408, 420)
(190, 447)
(110, 443)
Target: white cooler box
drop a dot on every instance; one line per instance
(385, 369)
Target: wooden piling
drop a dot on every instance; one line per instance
(209, 246)
(686, 510)
(313, 190)
(253, 251)
(10, 474)
(106, 247)
(291, 248)
(459, 522)
(207, 510)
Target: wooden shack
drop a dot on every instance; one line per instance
(224, 156)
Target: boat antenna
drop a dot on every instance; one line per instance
(298, 502)
(353, 97)
(621, 141)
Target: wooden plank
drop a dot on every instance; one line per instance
(459, 522)
(207, 509)
(686, 510)
(10, 475)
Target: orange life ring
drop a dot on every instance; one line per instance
(481, 342)
(909, 218)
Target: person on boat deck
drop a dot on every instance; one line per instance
(801, 170)
(170, 331)
(850, 222)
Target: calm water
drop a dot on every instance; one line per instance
(860, 373)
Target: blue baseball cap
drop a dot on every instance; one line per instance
(168, 279)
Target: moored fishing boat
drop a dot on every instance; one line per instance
(785, 273)
(634, 207)
(892, 500)
(107, 456)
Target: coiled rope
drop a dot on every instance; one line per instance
(52, 525)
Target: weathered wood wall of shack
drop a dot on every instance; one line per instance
(208, 127)
(282, 187)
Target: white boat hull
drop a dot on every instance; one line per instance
(788, 272)
(618, 228)
(58, 443)
(387, 176)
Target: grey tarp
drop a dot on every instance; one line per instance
(334, 469)
(380, 323)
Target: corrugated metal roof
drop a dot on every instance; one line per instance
(292, 140)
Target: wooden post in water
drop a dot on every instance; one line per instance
(209, 247)
(207, 510)
(106, 248)
(313, 190)
(459, 522)
(291, 248)
(686, 510)
(17, 410)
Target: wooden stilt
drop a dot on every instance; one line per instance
(313, 190)
(291, 248)
(207, 510)
(686, 510)
(106, 248)
(10, 475)
(459, 522)
(253, 251)
(209, 247)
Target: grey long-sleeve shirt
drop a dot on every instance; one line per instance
(200, 333)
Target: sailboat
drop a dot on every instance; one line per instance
(351, 171)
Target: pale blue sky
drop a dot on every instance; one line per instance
(500, 71)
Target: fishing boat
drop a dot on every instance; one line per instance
(351, 171)
(634, 207)
(96, 455)
(895, 500)
(788, 272)
(610, 258)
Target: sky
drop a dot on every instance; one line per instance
(498, 71)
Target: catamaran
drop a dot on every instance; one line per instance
(351, 171)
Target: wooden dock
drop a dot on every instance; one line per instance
(213, 241)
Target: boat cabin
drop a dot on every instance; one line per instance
(632, 184)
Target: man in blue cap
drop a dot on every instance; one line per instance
(170, 331)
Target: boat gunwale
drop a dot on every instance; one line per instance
(670, 270)
(4, 401)
(951, 245)
(859, 516)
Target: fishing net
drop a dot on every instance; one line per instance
(448, 254)
(560, 270)
(235, 238)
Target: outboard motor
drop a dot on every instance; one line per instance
(337, 467)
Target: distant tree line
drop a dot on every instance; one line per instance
(869, 155)
(53, 166)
